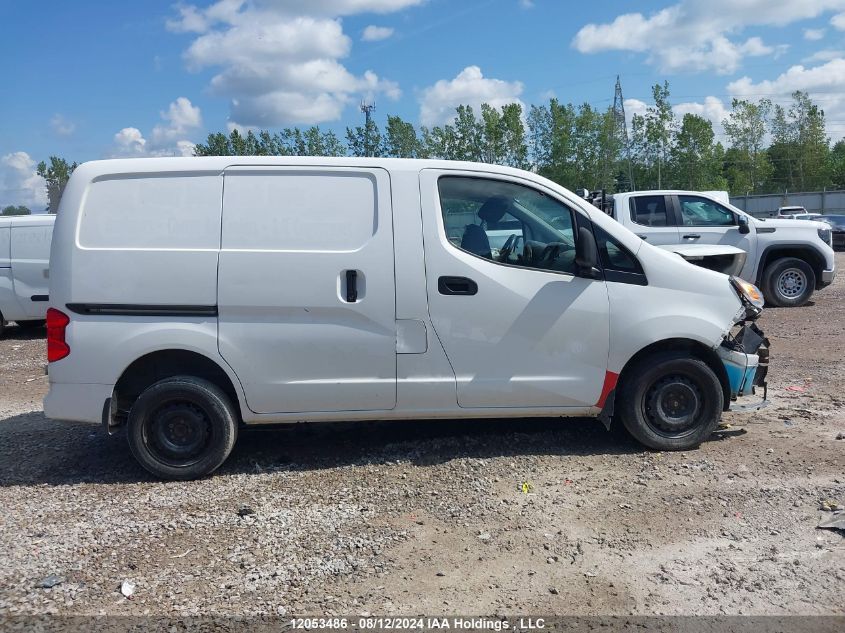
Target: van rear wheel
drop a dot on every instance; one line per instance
(182, 428)
(670, 401)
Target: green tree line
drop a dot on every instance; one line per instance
(769, 147)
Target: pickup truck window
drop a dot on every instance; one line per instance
(507, 223)
(649, 211)
(696, 211)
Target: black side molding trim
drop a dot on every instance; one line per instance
(622, 277)
(131, 309)
(39, 298)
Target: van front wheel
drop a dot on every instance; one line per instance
(670, 401)
(182, 428)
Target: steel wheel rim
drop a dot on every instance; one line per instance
(672, 406)
(177, 433)
(792, 283)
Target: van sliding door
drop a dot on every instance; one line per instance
(306, 290)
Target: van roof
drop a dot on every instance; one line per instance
(36, 219)
(97, 168)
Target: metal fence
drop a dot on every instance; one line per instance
(766, 206)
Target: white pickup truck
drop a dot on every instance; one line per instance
(787, 259)
(24, 269)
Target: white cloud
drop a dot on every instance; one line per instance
(375, 33)
(838, 21)
(279, 62)
(181, 119)
(813, 35)
(712, 108)
(825, 85)
(61, 126)
(824, 55)
(19, 184)
(130, 142)
(469, 87)
(699, 35)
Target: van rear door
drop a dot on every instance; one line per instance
(306, 289)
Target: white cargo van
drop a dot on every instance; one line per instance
(24, 268)
(190, 296)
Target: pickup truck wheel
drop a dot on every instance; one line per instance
(2, 325)
(670, 401)
(182, 428)
(788, 282)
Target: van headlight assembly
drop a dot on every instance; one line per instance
(748, 292)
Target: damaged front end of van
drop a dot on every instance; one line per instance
(744, 351)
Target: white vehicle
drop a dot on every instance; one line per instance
(358, 289)
(24, 268)
(787, 259)
(789, 212)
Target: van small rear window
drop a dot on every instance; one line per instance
(174, 211)
(298, 210)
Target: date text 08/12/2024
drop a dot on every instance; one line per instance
(418, 624)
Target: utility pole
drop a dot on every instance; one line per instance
(367, 109)
(621, 128)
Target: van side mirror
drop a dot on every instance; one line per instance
(587, 254)
(742, 221)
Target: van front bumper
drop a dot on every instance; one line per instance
(77, 402)
(746, 361)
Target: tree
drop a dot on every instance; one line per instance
(800, 148)
(696, 162)
(56, 174)
(467, 135)
(513, 137)
(288, 142)
(653, 134)
(15, 210)
(365, 140)
(401, 139)
(837, 165)
(749, 168)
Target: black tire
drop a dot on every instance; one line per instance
(788, 282)
(670, 401)
(31, 325)
(2, 325)
(182, 428)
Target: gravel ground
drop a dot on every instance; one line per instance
(433, 517)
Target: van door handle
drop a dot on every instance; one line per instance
(692, 236)
(351, 286)
(456, 286)
(642, 236)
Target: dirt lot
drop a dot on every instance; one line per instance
(414, 517)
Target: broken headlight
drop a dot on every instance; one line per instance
(748, 292)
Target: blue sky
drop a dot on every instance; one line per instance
(94, 79)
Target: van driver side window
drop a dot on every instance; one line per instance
(507, 223)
